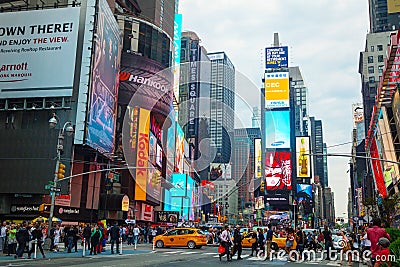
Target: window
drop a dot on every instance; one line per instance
(172, 232)
(379, 47)
(372, 79)
(380, 68)
(370, 69)
(370, 59)
(372, 48)
(380, 58)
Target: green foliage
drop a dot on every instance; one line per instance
(395, 249)
(394, 234)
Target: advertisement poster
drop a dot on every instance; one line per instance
(276, 86)
(179, 148)
(393, 6)
(277, 129)
(167, 217)
(170, 149)
(105, 79)
(257, 157)
(37, 51)
(179, 181)
(305, 196)
(276, 57)
(278, 171)
(220, 171)
(358, 114)
(377, 169)
(153, 187)
(303, 159)
(142, 157)
(152, 148)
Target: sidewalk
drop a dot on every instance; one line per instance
(141, 248)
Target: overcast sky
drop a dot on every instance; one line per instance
(324, 38)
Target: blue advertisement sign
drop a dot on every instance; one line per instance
(277, 129)
(276, 57)
(305, 196)
(177, 38)
(105, 78)
(179, 182)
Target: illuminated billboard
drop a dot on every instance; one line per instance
(153, 186)
(194, 86)
(105, 79)
(179, 181)
(358, 114)
(393, 6)
(37, 51)
(170, 149)
(276, 86)
(179, 148)
(142, 156)
(303, 159)
(305, 196)
(276, 57)
(277, 129)
(278, 170)
(377, 169)
(177, 52)
(257, 157)
(220, 171)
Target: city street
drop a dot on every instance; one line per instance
(144, 256)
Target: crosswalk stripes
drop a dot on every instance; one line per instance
(189, 252)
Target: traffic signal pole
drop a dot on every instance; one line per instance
(53, 193)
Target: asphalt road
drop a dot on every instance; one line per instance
(206, 256)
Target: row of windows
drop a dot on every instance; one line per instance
(371, 69)
(378, 47)
(371, 59)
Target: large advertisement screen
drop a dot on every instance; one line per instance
(303, 159)
(257, 157)
(278, 170)
(153, 187)
(179, 181)
(180, 149)
(142, 157)
(305, 197)
(276, 86)
(105, 79)
(277, 129)
(393, 6)
(171, 149)
(276, 57)
(220, 171)
(37, 51)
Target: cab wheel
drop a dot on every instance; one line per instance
(274, 246)
(159, 244)
(191, 244)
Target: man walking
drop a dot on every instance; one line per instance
(22, 238)
(37, 237)
(373, 234)
(87, 231)
(268, 241)
(226, 241)
(328, 241)
(114, 235)
(3, 236)
(237, 243)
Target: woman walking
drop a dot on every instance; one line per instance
(12, 240)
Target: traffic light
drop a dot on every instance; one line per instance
(262, 186)
(61, 171)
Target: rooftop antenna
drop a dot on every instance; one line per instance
(276, 39)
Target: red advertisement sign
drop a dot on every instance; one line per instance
(377, 168)
(278, 170)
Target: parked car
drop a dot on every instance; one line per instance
(182, 237)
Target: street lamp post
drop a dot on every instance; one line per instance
(69, 130)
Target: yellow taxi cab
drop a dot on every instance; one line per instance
(181, 237)
(277, 242)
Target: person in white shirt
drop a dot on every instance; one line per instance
(136, 232)
(3, 236)
(226, 242)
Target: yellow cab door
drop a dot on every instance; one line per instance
(170, 238)
(184, 236)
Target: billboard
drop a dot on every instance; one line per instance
(179, 181)
(170, 149)
(37, 51)
(142, 157)
(153, 185)
(104, 88)
(167, 217)
(396, 109)
(179, 148)
(259, 203)
(257, 157)
(303, 159)
(277, 129)
(278, 170)
(194, 75)
(358, 114)
(377, 169)
(393, 6)
(276, 57)
(276, 86)
(220, 171)
(152, 148)
(277, 201)
(177, 52)
(305, 196)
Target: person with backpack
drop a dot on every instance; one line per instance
(22, 239)
(95, 239)
(37, 237)
(226, 242)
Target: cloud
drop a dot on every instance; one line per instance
(324, 39)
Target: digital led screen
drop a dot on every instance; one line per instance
(277, 129)
(278, 170)
(303, 159)
(276, 57)
(179, 149)
(276, 86)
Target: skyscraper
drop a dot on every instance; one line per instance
(317, 148)
(299, 92)
(222, 94)
(383, 15)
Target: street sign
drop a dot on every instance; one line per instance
(47, 186)
(51, 183)
(56, 189)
